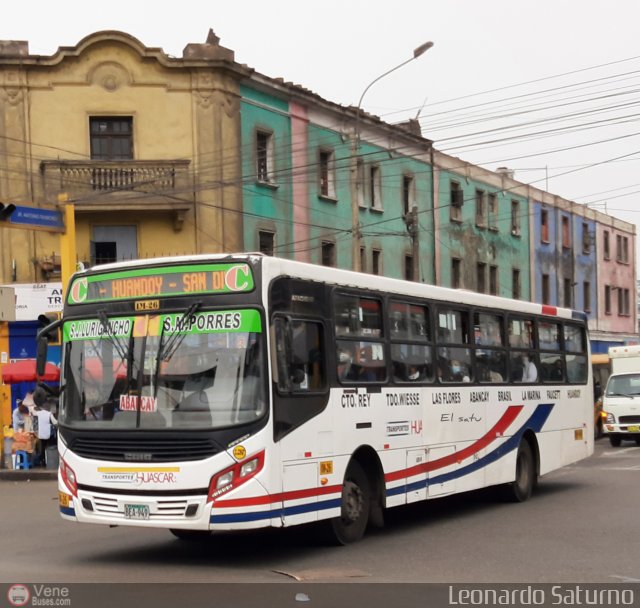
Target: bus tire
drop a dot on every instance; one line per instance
(615, 440)
(190, 535)
(355, 509)
(521, 488)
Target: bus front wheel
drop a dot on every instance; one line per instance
(521, 488)
(356, 505)
(615, 440)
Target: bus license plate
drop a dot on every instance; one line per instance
(136, 511)
(633, 429)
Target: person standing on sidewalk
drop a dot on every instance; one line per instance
(45, 433)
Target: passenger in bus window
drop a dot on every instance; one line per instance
(556, 372)
(529, 369)
(345, 368)
(413, 373)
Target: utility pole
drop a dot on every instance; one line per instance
(356, 234)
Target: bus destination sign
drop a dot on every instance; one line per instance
(161, 282)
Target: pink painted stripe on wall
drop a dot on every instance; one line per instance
(299, 163)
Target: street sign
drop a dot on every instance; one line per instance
(35, 217)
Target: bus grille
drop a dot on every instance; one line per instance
(629, 419)
(143, 449)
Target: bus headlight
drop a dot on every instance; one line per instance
(235, 475)
(611, 419)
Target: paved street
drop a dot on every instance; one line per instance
(575, 529)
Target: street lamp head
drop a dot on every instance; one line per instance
(423, 48)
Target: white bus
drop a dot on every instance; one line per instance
(230, 392)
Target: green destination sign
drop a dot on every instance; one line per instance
(161, 282)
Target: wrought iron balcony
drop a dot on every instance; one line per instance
(120, 185)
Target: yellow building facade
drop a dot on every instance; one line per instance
(144, 145)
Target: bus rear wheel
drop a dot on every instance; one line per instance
(521, 488)
(356, 505)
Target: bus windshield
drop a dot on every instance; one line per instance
(202, 370)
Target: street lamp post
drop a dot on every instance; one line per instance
(356, 236)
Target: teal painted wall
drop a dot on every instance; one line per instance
(266, 207)
(473, 244)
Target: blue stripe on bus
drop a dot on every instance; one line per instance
(295, 510)
(68, 511)
(535, 423)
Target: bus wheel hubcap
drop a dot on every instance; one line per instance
(352, 504)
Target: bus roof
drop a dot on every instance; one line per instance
(275, 266)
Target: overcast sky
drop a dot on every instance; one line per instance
(578, 117)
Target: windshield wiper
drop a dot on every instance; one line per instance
(104, 320)
(619, 395)
(176, 338)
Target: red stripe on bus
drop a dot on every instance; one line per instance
(271, 498)
(549, 310)
(498, 429)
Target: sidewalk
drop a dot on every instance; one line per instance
(28, 475)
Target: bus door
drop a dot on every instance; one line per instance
(416, 484)
(441, 478)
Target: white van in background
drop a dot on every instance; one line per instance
(621, 399)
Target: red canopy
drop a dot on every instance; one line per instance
(24, 370)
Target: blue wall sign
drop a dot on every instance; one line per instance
(34, 216)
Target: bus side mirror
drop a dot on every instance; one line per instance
(49, 332)
(41, 356)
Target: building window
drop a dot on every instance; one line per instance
(627, 302)
(623, 302)
(376, 258)
(363, 259)
(408, 193)
(515, 218)
(586, 239)
(375, 187)
(455, 272)
(456, 201)
(264, 156)
(567, 293)
(326, 171)
(408, 267)
(481, 210)
(493, 211)
(622, 249)
(546, 289)
(544, 226)
(328, 253)
(605, 245)
(481, 271)
(493, 280)
(111, 137)
(515, 283)
(266, 242)
(113, 244)
(360, 187)
(566, 233)
(607, 299)
(586, 296)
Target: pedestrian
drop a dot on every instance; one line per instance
(21, 418)
(45, 434)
